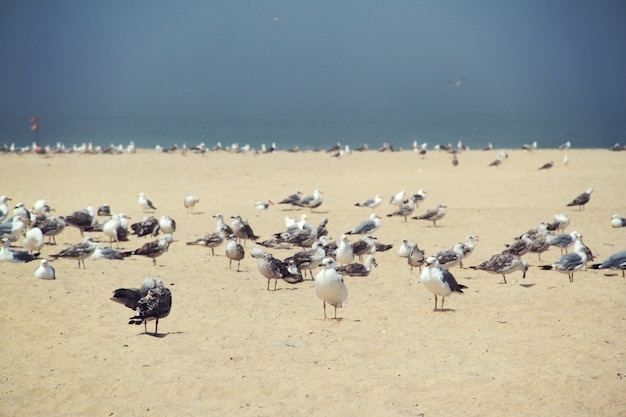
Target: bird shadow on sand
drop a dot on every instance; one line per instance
(159, 335)
(527, 285)
(197, 212)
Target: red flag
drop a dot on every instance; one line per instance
(34, 127)
(34, 120)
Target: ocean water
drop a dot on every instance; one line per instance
(321, 129)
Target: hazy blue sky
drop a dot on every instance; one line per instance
(261, 57)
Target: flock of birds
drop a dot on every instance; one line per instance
(337, 259)
(152, 301)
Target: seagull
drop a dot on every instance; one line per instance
(561, 221)
(153, 306)
(617, 221)
(539, 241)
(130, 297)
(372, 202)
(419, 197)
(329, 286)
(110, 227)
(531, 147)
(565, 146)
(405, 209)
(82, 219)
(503, 263)
(367, 226)
(17, 256)
(52, 226)
(364, 246)
(344, 254)
(455, 160)
(416, 257)
(581, 200)
(451, 257)
(311, 201)
(308, 259)
(149, 225)
(167, 224)
(496, 162)
(12, 229)
(242, 229)
(263, 205)
(45, 271)
(398, 199)
(547, 165)
(20, 210)
(104, 210)
(570, 262)
(292, 199)
(78, 251)
(359, 270)
(4, 207)
(33, 240)
(211, 240)
(563, 241)
(433, 214)
(190, 201)
(615, 261)
(108, 254)
(234, 251)
(468, 246)
(155, 248)
(273, 269)
(521, 246)
(404, 249)
(222, 226)
(145, 203)
(439, 281)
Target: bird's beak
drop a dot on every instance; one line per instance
(426, 263)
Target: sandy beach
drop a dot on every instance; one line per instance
(534, 347)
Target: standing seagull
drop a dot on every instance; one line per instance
(405, 209)
(4, 207)
(130, 296)
(273, 269)
(211, 240)
(433, 214)
(571, 262)
(312, 201)
(234, 251)
(79, 251)
(145, 203)
(372, 202)
(167, 224)
(242, 229)
(329, 286)
(45, 270)
(581, 200)
(367, 226)
(155, 248)
(154, 306)
(398, 199)
(292, 199)
(439, 281)
(190, 201)
(82, 219)
(416, 257)
(503, 263)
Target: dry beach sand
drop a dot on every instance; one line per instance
(539, 346)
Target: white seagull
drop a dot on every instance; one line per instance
(145, 203)
(45, 270)
(439, 281)
(329, 286)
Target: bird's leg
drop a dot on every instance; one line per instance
(268, 284)
(275, 283)
(212, 252)
(335, 311)
(324, 309)
(504, 277)
(435, 302)
(145, 327)
(238, 263)
(443, 299)
(153, 261)
(230, 263)
(156, 326)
